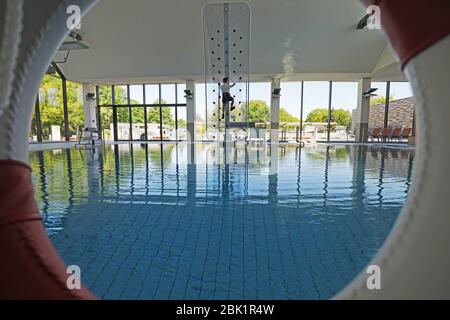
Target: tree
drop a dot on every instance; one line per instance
(380, 100)
(105, 95)
(181, 123)
(105, 100)
(51, 105)
(317, 115)
(75, 107)
(123, 115)
(341, 116)
(258, 111)
(167, 116)
(137, 113)
(287, 117)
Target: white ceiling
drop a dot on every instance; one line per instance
(162, 40)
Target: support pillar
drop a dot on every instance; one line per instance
(37, 112)
(190, 120)
(274, 111)
(90, 120)
(274, 127)
(362, 114)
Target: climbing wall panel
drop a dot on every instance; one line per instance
(227, 55)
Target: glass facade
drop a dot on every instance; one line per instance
(290, 105)
(392, 110)
(145, 112)
(378, 106)
(401, 108)
(75, 109)
(344, 102)
(58, 111)
(315, 110)
(157, 112)
(51, 108)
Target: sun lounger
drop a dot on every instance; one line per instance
(375, 134)
(386, 134)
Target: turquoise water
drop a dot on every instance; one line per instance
(248, 223)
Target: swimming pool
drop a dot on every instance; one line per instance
(247, 223)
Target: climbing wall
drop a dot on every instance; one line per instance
(227, 46)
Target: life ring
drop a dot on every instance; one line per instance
(30, 268)
(414, 260)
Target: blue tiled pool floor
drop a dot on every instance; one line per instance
(142, 225)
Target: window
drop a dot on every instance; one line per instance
(75, 109)
(51, 108)
(123, 113)
(290, 111)
(315, 109)
(168, 94)
(377, 106)
(344, 103)
(106, 112)
(401, 107)
(201, 110)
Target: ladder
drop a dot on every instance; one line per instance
(87, 138)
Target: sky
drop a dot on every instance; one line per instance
(344, 94)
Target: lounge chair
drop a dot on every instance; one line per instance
(396, 134)
(386, 134)
(375, 134)
(405, 133)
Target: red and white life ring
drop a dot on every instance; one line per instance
(415, 258)
(30, 268)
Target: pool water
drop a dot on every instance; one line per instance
(246, 223)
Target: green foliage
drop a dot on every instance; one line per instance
(105, 95)
(317, 115)
(123, 115)
(341, 116)
(181, 123)
(105, 98)
(258, 111)
(287, 117)
(137, 113)
(380, 100)
(168, 117)
(51, 106)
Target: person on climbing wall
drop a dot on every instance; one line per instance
(226, 96)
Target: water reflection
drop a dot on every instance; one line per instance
(249, 222)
